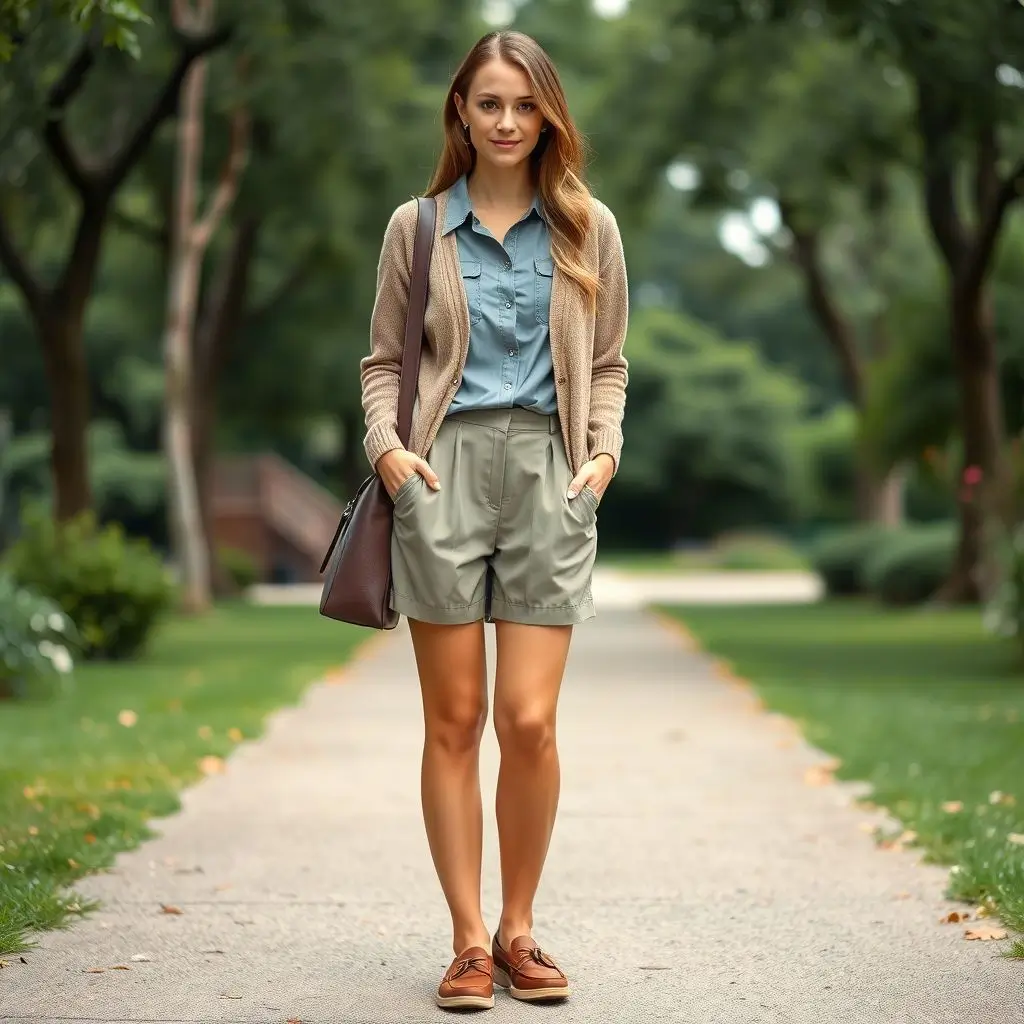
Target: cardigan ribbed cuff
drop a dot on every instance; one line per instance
(608, 442)
(380, 439)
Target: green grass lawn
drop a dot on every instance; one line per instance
(922, 704)
(77, 785)
(736, 553)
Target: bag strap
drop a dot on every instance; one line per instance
(423, 247)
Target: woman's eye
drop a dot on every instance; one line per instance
(530, 107)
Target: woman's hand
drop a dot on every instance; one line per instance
(396, 466)
(597, 473)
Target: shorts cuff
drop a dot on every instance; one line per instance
(527, 615)
(456, 616)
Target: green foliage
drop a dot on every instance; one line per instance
(839, 556)
(826, 445)
(36, 640)
(909, 564)
(116, 20)
(751, 552)
(239, 566)
(113, 588)
(708, 430)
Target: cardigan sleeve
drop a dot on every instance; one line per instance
(609, 374)
(380, 371)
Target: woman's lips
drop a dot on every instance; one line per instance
(505, 145)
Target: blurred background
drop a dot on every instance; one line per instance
(817, 205)
(820, 204)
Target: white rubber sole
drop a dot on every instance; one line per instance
(465, 1002)
(528, 995)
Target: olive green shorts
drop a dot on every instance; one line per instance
(500, 540)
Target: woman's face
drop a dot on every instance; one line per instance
(503, 116)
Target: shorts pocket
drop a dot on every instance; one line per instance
(405, 488)
(543, 270)
(471, 282)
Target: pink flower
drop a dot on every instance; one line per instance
(972, 476)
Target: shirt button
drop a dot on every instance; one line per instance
(511, 351)
(455, 380)
(508, 264)
(508, 387)
(508, 305)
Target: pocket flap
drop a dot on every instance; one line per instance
(470, 268)
(545, 267)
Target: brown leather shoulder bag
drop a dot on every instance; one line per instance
(357, 584)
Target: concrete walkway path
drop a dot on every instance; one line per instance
(694, 876)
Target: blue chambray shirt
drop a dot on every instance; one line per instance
(508, 290)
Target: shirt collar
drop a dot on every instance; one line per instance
(459, 206)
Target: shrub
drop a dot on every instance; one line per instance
(911, 563)
(839, 557)
(239, 566)
(755, 553)
(36, 640)
(113, 588)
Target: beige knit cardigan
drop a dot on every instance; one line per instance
(586, 349)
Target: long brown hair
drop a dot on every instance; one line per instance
(557, 160)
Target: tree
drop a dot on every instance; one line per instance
(189, 240)
(961, 63)
(95, 174)
(757, 116)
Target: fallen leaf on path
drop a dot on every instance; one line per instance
(221, 951)
(141, 958)
(985, 932)
(293, 1020)
(94, 970)
(821, 774)
(1016, 837)
(230, 995)
(120, 967)
(902, 896)
(898, 842)
(955, 917)
(168, 908)
(211, 765)
(953, 806)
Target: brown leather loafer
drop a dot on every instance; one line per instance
(469, 982)
(527, 971)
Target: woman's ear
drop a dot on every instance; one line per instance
(460, 106)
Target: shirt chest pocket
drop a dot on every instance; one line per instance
(471, 282)
(543, 270)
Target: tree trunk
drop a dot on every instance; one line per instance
(975, 359)
(878, 499)
(189, 541)
(219, 323)
(68, 379)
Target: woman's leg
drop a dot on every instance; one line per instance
(453, 682)
(531, 662)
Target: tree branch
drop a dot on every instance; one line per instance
(980, 256)
(822, 304)
(20, 273)
(64, 90)
(227, 184)
(164, 106)
(986, 170)
(936, 129)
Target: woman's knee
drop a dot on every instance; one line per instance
(525, 729)
(458, 727)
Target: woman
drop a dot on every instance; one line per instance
(516, 435)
